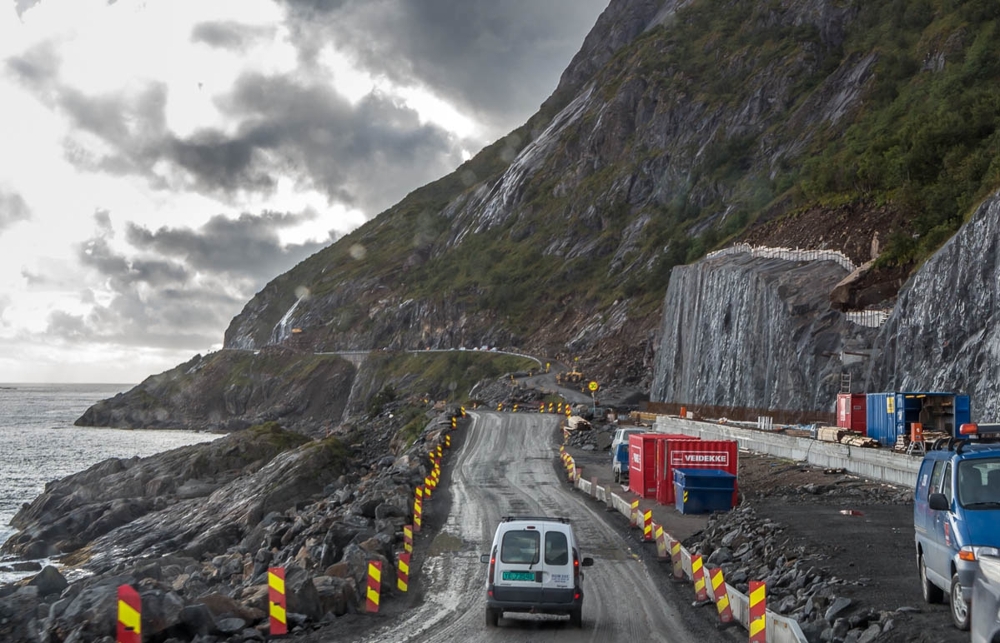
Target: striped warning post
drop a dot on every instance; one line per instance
(721, 595)
(427, 487)
(418, 508)
(647, 526)
(403, 572)
(277, 601)
(661, 542)
(374, 586)
(698, 574)
(129, 615)
(675, 559)
(568, 412)
(408, 539)
(758, 612)
(440, 452)
(447, 441)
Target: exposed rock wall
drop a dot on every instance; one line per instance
(758, 333)
(944, 332)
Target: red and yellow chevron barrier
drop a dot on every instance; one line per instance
(408, 539)
(418, 508)
(647, 526)
(721, 595)
(634, 515)
(374, 586)
(129, 615)
(662, 552)
(277, 601)
(698, 574)
(675, 559)
(403, 572)
(758, 612)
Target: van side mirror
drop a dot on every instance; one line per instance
(587, 561)
(938, 502)
(484, 558)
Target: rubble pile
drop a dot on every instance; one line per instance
(749, 548)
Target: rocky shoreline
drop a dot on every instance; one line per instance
(195, 529)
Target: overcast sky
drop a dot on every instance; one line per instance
(161, 160)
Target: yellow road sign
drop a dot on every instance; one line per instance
(593, 386)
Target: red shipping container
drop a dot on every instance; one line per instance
(852, 412)
(692, 454)
(642, 460)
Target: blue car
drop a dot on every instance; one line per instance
(956, 518)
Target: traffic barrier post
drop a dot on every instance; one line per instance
(374, 586)
(129, 628)
(418, 508)
(647, 526)
(408, 539)
(403, 572)
(698, 574)
(758, 612)
(721, 595)
(661, 542)
(277, 602)
(675, 559)
(634, 516)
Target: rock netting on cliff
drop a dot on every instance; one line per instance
(944, 332)
(759, 333)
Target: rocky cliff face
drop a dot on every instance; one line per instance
(231, 390)
(755, 332)
(943, 333)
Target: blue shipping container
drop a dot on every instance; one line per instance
(703, 490)
(890, 415)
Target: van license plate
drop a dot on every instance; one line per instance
(525, 576)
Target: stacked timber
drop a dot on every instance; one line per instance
(830, 433)
(854, 440)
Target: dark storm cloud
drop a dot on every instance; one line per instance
(229, 35)
(499, 60)
(180, 285)
(246, 246)
(12, 209)
(367, 155)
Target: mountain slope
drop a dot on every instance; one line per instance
(678, 128)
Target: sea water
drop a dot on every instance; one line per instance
(40, 443)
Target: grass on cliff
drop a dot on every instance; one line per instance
(447, 376)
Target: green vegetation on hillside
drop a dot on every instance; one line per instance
(731, 115)
(447, 376)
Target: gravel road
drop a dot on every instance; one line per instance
(505, 464)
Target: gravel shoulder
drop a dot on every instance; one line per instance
(857, 533)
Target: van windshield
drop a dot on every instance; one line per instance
(979, 483)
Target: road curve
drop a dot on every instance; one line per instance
(506, 466)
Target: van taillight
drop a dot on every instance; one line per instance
(576, 569)
(493, 567)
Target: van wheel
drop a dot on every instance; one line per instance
(960, 610)
(932, 593)
(492, 617)
(576, 617)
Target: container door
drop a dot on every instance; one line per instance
(963, 412)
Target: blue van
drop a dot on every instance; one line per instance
(956, 518)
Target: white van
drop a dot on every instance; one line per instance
(535, 567)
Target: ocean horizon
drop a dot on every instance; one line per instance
(41, 443)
